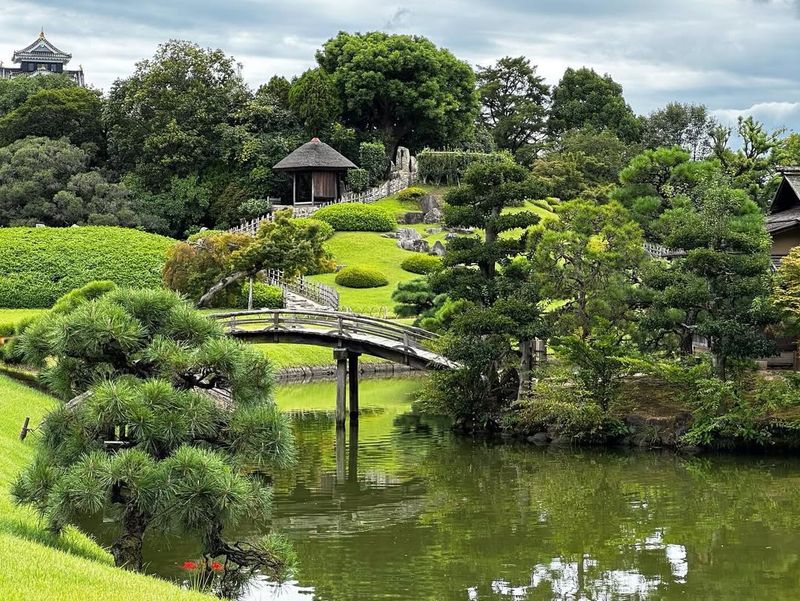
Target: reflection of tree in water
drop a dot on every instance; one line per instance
(452, 518)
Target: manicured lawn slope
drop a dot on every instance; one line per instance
(41, 264)
(37, 565)
(372, 250)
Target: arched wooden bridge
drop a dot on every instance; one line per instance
(349, 334)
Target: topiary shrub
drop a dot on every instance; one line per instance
(357, 217)
(412, 194)
(361, 277)
(90, 291)
(422, 264)
(358, 180)
(264, 296)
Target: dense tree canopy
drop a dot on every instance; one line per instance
(583, 97)
(513, 103)
(688, 126)
(170, 117)
(401, 87)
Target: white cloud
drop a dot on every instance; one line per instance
(773, 114)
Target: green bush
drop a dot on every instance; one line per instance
(358, 180)
(577, 421)
(325, 228)
(264, 296)
(373, 160)
(361, 277)
(357, 217)
(422, 264)
(42, 264)
(413, 194)
(204, 234)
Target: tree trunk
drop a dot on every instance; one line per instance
(687, 339)
(206, 299)
(719, 365)
(127, 549)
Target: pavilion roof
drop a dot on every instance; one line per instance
(314, 155)
(787, 196)
(41, 50)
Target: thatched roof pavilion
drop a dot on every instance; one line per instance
(317, 172)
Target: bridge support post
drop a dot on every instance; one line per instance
(341, 355)
(352, 372)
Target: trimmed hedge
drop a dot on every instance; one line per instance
(358, 180)
(422, 264)
(448, 166)
(361, 277)
(264, 296)
(39, 265)
(357, 217)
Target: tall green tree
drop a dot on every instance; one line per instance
(586, 265)
(513, 103)
(492, 316)
(719, 289)
(314, 99)
(16, 90)
(171, 425)
(688, 126)
(583, 97)
(169, 118)
(402, 88)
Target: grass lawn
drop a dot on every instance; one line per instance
(393, 204)
(296, 355)
(10, 317)
(39, 565)
(373, 250)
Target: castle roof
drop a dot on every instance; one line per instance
(41, 50)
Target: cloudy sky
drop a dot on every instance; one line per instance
(736, 56)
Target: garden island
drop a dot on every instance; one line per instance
(397, 327)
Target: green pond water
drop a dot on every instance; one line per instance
(402, 509)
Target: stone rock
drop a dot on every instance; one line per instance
(438, 249)
(403, 159)
(413, 217)
(433, 230)
(407, 234)
(561, 441)
(433, 216)
(412, 165)
(539, 438)
(390, 235)
(428, 203)
(450, 236)
(418, 245)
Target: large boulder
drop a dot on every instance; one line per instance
(403, 159)
(429, 202)
(417, 246)
(433, 216)
(413, 217)
(407, 234)
(438, 249)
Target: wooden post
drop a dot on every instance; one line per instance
(340, 354)
(294, 188)
(312, 187)
(250, 296)
(352, 371)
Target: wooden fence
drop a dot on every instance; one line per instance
(318, 293)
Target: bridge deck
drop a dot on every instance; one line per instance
(378, 337)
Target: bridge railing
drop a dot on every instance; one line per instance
(345, 325)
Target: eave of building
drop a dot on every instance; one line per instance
(51, 53)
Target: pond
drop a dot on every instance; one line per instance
(402, 509)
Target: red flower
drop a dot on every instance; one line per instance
(217, 566)
(189, 565)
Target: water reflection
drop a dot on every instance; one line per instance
(400, 509)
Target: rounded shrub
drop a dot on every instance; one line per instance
(422, 264)
(412, 194)
(361, 277)
(264, 296)
(357, 217)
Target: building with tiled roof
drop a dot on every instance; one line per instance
(41, 58)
